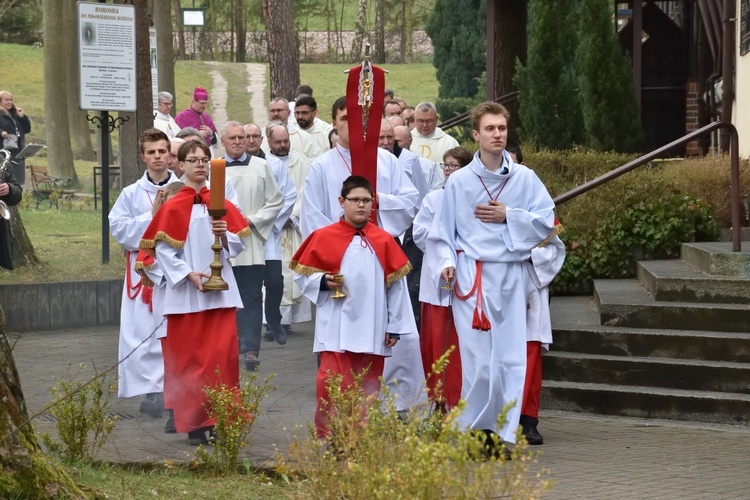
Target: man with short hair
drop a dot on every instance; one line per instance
(392, 108)
(295, 308)
(306, 113)
(494, 213)
(396, 207)
(429, 141)
(172, 163)
(141, 368)
(254, 139)
(189, 134)
(273, 278)
(260, 201)
(195, 116)
(162, 119)
(408, 115)
(278, 110)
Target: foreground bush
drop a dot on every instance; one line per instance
(82, 419)
(422, 456)
(235, 411)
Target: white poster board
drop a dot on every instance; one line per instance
(106, 56)
(154, 66)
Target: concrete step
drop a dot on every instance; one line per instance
(627, 303)
(666, 373)
(717, 258)
(676, 280)
(647, 402)
(577, 328)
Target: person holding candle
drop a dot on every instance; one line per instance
(200, 348)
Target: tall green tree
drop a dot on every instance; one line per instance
(549, 107)
(458, 39)
(608, 101)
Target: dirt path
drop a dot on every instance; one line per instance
(256, 89)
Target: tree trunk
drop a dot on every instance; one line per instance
(25, 472)
(56, 92)
(177, 10)
(408, 55)
(164, 49)
(510, 42)
(21, 250)
(80, 133)
(378, 53)
(283, 53)
(359, 32)
(241, 28)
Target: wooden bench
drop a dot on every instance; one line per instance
(45, 186)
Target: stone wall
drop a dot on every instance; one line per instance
(52, 306)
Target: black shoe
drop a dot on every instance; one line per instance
(279, 334)
(268, 335)
(492, 446)
(169, 427)
(153, 404)
(287, 329)
(200, 436)
(251, 361)
(528, 427)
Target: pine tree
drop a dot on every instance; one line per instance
(457, 31)
(549, 107)
(610, 109)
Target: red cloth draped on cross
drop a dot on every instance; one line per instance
(363, 143)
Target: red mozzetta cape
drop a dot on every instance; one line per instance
(324, 249)
(172, 221)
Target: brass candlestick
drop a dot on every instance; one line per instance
(216, 282)
(338, 294)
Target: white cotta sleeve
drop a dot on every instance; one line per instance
(170, 260)
(310, 286)
(400, 313)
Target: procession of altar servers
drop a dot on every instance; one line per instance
(491, 363)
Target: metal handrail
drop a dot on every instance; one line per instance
(459, 119)
(734, 173)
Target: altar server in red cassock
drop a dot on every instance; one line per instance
(200, 348)
(358, 331)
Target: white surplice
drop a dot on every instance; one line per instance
(397, 196)
(493, 362)
(180, 295)
(143, 370)
(429, 280)
(259, 200)
(432, 146)
(345, 324)
(295, 307)
(397, 207)
(546, 262)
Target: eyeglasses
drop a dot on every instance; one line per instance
(194, 162)
(450, 166)
(429, 121)
(359, 201)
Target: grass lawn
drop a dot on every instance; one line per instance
(177, 484)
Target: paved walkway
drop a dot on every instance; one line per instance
(588, 456)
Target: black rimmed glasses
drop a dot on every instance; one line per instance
(360, 201)
(450, 166)
(194, 162)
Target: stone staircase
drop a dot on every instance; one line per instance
(672, 344)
